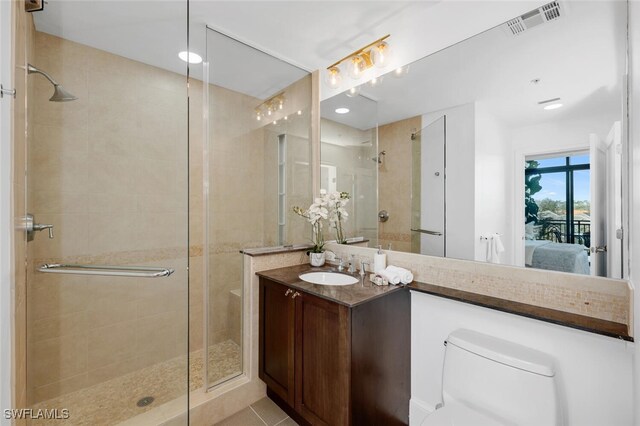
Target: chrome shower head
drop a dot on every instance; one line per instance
(59, 93)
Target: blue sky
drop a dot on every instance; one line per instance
(553, 184)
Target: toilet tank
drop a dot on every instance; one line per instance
(503, 379)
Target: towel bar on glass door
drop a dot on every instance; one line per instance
(118, 271)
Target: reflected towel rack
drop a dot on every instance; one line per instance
(119, 271)
(424, 231)
(490, 237)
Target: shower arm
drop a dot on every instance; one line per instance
(33, 70)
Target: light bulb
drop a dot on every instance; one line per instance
(375, 81)
(401, 71)
(381, 54)
(334, 79)
(299, 112)
(357, 67)
(258, 115)
(353, 92)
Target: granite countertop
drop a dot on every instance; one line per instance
(348, 295)
(567, 319)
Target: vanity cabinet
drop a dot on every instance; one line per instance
(328, 363)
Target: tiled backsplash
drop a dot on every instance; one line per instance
(596, 297)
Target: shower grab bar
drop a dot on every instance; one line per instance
(424, 231)
(118, 271)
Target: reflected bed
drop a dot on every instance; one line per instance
(543, 254)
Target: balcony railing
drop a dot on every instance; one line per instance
(556, 231)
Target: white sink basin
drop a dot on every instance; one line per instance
(328, 278)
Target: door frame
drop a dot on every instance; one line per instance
(519, 158)
(7, 274)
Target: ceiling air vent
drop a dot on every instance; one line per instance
(548, 12)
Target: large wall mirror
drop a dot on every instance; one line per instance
(507, 147)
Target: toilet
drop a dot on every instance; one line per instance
(489, 381)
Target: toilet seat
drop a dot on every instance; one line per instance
(456, 414)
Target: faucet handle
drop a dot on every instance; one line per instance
(363, 270)
(42, 227)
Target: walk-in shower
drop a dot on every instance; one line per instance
(59, 93)
(110, 172)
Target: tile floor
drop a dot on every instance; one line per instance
(261, 413)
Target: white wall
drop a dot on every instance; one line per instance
(6, 229)
(592, 370)
(493, 183)
(634, 139)
(460, 166)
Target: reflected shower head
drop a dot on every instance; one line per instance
(59, 93)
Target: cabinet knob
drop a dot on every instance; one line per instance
(296, 294)
(288, 292)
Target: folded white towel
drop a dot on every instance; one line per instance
(392, 277)
(494, 248)
(405, 275)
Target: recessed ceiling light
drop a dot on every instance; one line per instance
(553, 106)
(192, 58)
(342, 110)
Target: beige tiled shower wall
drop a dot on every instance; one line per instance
(109, 170)
(23, 36)
(395, 139)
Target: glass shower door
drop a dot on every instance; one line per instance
(256, 168)
(107, 173)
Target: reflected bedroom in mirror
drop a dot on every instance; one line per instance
(508, 147)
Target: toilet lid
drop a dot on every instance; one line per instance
(459, 415)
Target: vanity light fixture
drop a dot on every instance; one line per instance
(342, 110)
(271, 105)
(190, 57)
(377, 53)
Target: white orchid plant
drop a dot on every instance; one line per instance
(331, 207)
(336, 202)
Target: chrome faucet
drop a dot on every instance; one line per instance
(363, 269)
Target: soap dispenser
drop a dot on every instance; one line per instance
(379, 261)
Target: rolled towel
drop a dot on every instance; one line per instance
(405, 275)
(391, 277)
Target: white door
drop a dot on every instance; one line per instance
(598, 168)
(614, 201)
(433, 189)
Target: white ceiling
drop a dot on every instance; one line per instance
(579, 58)
(307, 34)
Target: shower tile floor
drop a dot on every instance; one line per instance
(114, 401)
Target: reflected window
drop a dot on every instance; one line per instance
(558, 199)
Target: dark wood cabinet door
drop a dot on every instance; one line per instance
(322, 361)
(277, 322)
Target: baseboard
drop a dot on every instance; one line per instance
(418, 411)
